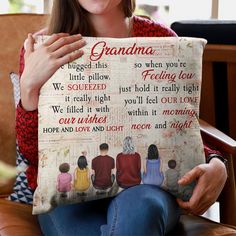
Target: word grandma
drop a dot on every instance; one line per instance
(101, 48)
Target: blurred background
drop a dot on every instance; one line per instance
(166, 11)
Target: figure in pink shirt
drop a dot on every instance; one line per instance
(64, 179)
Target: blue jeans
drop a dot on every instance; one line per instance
(140, 210)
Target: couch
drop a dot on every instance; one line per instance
(16, 218)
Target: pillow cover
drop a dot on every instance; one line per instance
(126, 113)
(21, 191)
(16, 87)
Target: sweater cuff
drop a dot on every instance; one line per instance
(20, 109)
(27, 119)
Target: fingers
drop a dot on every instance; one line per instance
(62, 41)
(196, 208)
(69, 48)
(184, 205)
(195, 203)
(206, 191)
(70, 57)
(200, 200)
(54, 38)
(197, 199)
(202, 209)
(191, 176)
(29, 47)
(64, 48)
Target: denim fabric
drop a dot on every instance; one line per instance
(140, 210)
(83, 219)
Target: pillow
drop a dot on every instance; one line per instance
(16, 87)
(21, 191)
(126, 113)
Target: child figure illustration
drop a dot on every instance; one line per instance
(82, 176)
(152, 173)
(172, 176)
(64, 179)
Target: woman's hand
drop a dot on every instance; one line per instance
(210, 180)
(43, 62)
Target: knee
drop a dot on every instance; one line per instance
(152, 201)
(147, 197)
(140, 208)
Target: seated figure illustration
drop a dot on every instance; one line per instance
(172, 176)
(82, 176)
(128, 165)
(102, 170)
(64, 179)
(152, 173)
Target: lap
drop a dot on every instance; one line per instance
(140, 210)
(76, 219)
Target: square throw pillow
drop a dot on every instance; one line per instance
(124, 114)
(21, 191)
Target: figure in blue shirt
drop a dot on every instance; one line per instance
(152, 173)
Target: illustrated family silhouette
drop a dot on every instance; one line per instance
(128, 171)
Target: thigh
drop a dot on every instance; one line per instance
(76, 219)
(141, 210)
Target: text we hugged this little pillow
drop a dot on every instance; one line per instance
(125, 113)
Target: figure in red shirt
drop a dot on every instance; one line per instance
(102, 168)
(128, 165)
